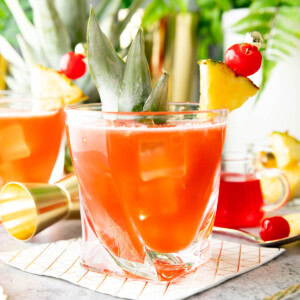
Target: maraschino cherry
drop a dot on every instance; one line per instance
(245, 59)
(72, 65)
(274, 228)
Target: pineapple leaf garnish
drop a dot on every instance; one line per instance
(136, 82)
(106, 67)
(123, 87)
(158, 100)
(278, 22)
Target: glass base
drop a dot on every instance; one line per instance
(156, 266)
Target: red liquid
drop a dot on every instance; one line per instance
(29, 145)
(240, 201)
(146, 184)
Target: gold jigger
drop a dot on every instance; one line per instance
(28, 208)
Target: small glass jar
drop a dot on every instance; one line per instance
(241, 202)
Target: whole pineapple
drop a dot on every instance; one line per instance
(57, 27)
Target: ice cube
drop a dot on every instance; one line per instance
(162, 158)
(12, 143)
(160, 196)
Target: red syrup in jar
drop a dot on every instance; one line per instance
(240, 201)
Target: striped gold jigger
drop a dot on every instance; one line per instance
(28, 208)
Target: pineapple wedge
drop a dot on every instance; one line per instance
(54, 89)
(285, 148)
(221, 87)
(271, 187)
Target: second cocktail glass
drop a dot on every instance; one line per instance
(148, 186)
(31, 140)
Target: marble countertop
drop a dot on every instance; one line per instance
(268, 279)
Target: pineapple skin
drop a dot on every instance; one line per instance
(221, 87)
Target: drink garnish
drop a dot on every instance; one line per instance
(244, 59)
(136, 82)
(157, 101)
(225, 85)
(54, 89)
(106, 67)
(126, 87)
(274, 228)
(72, 65)
(221, 87)
(122, 87)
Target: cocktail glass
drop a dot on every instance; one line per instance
(148, 187)
(31, 140)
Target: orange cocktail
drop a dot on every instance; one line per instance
(30, 140)
(148, 182)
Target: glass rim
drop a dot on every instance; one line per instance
(236, 157)
(12, 96)
(25, 103)
(81, 109)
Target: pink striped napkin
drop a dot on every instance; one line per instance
(62, 260)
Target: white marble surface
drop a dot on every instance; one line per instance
(276, 275)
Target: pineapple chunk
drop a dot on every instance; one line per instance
(271, 187)
(221, 87)
(285, 148)
(54, 89)
(294, 222)
(3, 70)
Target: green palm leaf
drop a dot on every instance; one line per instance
(279, 23)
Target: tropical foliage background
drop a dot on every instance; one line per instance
(277, 20)
(41, 31)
